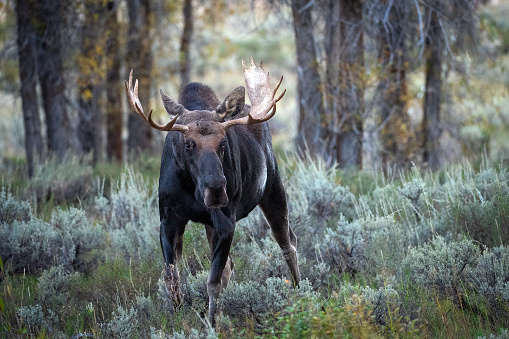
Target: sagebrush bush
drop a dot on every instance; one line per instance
(131, 216)
(343, 248)
(441, 266)
(54, 287)
(13, 209)
(486, 221)
(35, 244)
(502, 334)
(259, 301)
(490, 278)
(313, 188)
(384, 301)
(259, 260)
(38, 322)
(194, 291)
(64, 180)
(123, 324)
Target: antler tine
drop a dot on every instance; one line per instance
(134, 101)
(275, 91)
(262, 97)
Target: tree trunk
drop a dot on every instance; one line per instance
(311, 109)
(114, 147)
(50, 70)
(396, 136)
(351, 85)
(90, 81)
(28, 78)
(332, 49)
(187, 34)
(140, 59)
(431, 120)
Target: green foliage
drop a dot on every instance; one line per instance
(336, 318)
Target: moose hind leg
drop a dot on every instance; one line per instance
(275, 209)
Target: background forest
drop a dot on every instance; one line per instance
(391, 141)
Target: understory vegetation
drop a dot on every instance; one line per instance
(416, 254)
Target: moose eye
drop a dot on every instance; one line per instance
(189, 145)
(222, 146)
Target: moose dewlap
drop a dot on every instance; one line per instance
(217, 166)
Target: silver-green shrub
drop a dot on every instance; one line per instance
(123, 324)
(13, 209)
(66, 180)
(313, 186)
(476, 205)
(35, 244)
(257, 300)
(37, 321)
(384, 300)
(256, 254)
(131, 217)
(54, 286)
(503, 334)
(32, 317)
(342, 248)
(193, 289)
(442, 266)
(490, 277)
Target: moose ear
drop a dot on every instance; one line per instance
(173, 108)
(233, 104)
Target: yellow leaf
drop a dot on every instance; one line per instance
(87, 94)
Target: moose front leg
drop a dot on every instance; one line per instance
(171, 234)
(228, 268)
(222, 237)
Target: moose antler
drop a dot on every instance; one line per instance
(263, 104)
(134, 101)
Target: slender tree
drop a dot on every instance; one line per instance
(431, 122)
(90, 79)
(351, 84)
(114, 146)
(140, 58)
(185, 44)
(396, 137)
(50, 71)
(445, 19)
(28, 78)
(310, 100)
(331, 13)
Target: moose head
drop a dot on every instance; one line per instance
(204, 131)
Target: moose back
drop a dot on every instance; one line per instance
(217, 166)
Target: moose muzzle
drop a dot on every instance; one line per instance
(213, 181)
(214, 191)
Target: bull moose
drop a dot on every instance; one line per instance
(217, 165)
